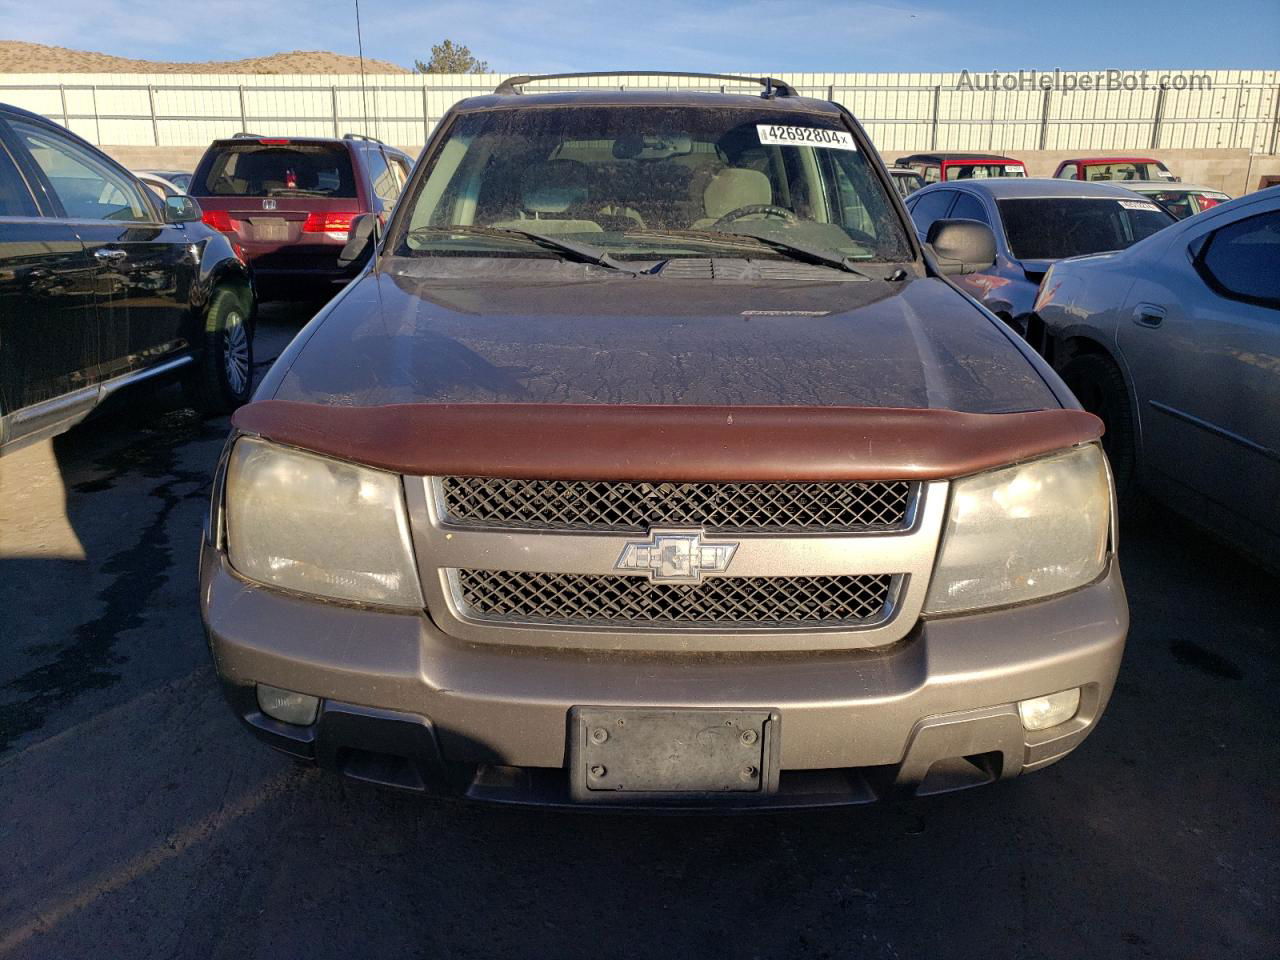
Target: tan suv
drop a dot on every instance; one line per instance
(653, 461)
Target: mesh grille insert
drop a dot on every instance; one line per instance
(591, 599)
(613, 505)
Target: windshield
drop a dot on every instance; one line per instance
(1127, 170)
(649, 181)
(256, 169)
(907, 183)
(1049, 228)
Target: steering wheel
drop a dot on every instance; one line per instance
(755, 209)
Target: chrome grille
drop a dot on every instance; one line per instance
(603, 600)
(610, 505)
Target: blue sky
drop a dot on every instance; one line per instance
(711, 35)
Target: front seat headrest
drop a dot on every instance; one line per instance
(553, 186)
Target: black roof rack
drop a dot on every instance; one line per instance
(361, 136)
(772, 86)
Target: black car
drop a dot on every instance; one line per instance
(102, 285)
(289, 202)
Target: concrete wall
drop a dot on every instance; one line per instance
(156, 158)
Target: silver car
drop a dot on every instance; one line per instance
(1175, 344)
(1181, 199)
(1035, 222)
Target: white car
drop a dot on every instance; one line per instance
(1175, 344)
(160, 186)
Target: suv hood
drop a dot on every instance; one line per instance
(578, 334)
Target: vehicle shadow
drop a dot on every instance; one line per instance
(94, 525)
(89, 546)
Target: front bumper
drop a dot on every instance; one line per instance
(406, 705)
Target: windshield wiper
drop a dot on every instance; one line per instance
(802, 251)
(709, 237)
(798, 251)
(571, 250)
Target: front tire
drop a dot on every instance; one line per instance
(223, 378)
(1099, 386)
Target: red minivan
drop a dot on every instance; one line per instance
(1113, 168)
(289, 202)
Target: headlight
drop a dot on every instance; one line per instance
(1024, 532)
(319, 526)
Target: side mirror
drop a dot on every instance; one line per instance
(962, 246)
(181, 209)
(361, 238)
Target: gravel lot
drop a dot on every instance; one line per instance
(138, 820)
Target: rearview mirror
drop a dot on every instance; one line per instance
(962, 246)
(181, 209)
(360, 239)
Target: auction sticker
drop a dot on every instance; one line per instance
(1138, 205)
(776, 135)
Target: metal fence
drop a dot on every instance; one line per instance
(902, 112)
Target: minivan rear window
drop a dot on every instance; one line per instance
(981, 171)
(267, 170)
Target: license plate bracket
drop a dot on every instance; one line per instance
(270, 228)
(637, 754)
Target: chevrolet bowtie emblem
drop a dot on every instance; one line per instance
(676, 556)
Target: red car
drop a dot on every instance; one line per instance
(1113, 168)
(934, 167)
(289, 202)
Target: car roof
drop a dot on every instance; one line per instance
(1111, 158)
(1165, 185)
(354, 140)
(606, 97)
(958, 155)
(64, 131)
(27, 114)
(904, 172)
(999, 188)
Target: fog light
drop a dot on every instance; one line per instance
(287, 706)
(1041, 713)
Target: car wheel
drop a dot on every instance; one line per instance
(1099, 386)
(223, 378)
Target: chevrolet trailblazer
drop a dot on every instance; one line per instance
(652, 460)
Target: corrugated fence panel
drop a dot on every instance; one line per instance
(902, 112)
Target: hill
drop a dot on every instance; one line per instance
(17, 56)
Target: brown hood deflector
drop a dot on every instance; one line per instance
(667, 442)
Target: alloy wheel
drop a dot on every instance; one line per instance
(235, 352)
